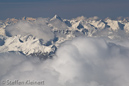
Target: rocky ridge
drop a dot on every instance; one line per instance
(58, 30)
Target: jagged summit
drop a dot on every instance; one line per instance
(28, 18)
(56, 17)
(80, 18)
(24, 18)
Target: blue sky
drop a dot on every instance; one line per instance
(63, 8)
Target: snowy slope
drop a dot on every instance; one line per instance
(42, 36)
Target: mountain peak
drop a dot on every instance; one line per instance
(24, 18)
(56, 17)
(80, 18)
(28, 18)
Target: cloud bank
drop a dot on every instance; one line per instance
(36, 28)
(80, 62)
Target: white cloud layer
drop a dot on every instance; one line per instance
(80, 62)
(37, 28)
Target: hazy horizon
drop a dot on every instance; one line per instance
(64, 8)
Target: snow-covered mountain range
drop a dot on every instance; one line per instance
(42, 36)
